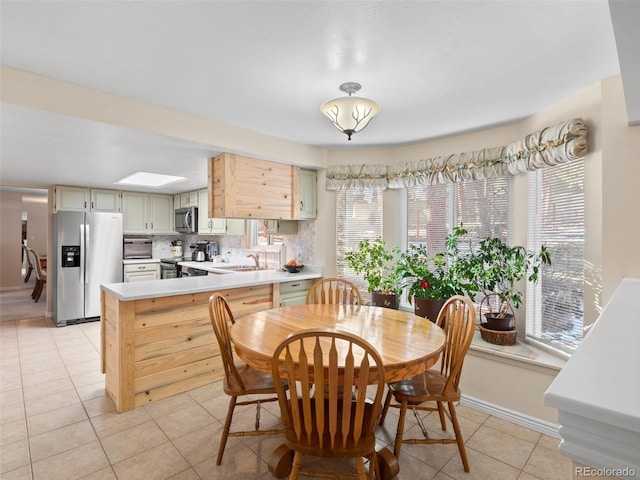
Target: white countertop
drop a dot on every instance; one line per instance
(206, 283)
(597, 393)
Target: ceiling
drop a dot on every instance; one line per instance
(437, 68)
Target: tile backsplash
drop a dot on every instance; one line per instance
(299, 246)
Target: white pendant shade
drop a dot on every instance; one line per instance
(350, 114)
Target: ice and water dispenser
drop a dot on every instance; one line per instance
(70, 256)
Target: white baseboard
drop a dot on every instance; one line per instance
(536, 424)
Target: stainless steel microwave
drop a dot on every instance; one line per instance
(186, 220)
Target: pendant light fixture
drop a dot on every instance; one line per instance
(350, 114)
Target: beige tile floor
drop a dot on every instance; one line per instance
(57, 423)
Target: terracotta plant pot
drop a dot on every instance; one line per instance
(428, 308)
(385, 300)
(502, 324)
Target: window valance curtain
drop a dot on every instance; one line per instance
(357, 177)
(560, 143)
(553, 145)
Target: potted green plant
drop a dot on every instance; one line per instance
(431, 280)
(497, 267)
(376, 263)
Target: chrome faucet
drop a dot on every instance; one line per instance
(256, 258)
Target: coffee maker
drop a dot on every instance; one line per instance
(203, 251)
(199, 253)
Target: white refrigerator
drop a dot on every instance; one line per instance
(87, 254)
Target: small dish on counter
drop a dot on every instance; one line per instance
(293, 268)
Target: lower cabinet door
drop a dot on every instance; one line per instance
(140, 276)
(299, 300)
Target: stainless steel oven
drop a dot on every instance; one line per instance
(137, 247)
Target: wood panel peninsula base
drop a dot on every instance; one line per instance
(154, 344)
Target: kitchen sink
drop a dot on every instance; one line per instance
(240, 268)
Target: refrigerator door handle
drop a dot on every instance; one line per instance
(82, 252)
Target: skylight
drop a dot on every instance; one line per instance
(146, 179)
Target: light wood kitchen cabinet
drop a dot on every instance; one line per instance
(147, 213)
(308, 194)
(216, 226)
(82, 199)
(137, 272)
(158, 347)
(243, 187)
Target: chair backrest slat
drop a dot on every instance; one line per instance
(35, 262)
(333, 291)
(328, 387)
(221, 317)
(458, 318)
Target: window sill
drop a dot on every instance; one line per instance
(521, 354)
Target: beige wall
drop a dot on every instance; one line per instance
(37, 219)
(10, 240)
(612, 195)
(621, 194)
(612, 223)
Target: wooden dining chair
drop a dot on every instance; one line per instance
(327, 412)
(239, 380)
(41, 275)
(334, 291)
(458, 318)
(25, 254)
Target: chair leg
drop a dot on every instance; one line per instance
(40, 286)
(441, 413)
(225, 431)
(360, 469)
(297, 463)
(400, 430)
(28, 275)
(459, 439)
(385, 408)
(374, 467)
(34, 293)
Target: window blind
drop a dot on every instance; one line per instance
(358, 217)
(482, 206)
(556, 219)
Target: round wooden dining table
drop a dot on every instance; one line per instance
(407, 343)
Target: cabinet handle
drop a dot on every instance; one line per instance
(295, 284)
(141, 268)
(301, 205)
(92, 207)
(145, 225)
(151, 225)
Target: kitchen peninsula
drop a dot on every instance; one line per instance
(156, 336)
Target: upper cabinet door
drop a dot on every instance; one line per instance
(308, 194)
(134, 210)
(106, 200)
(73, 199)
(161, 214)
(244, 187)
(204, 224)
(189, 199)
